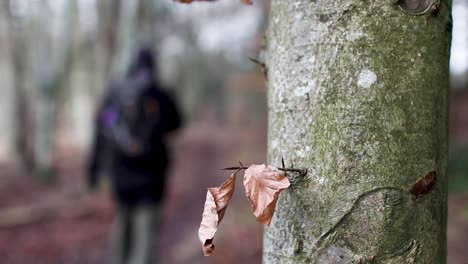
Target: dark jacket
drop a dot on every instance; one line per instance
(130, 126)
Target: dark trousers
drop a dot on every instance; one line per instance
(134, 234)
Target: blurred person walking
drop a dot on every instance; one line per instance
(130, 126)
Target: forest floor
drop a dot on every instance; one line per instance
(63, 223)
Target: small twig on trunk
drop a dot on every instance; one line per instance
(301, 171)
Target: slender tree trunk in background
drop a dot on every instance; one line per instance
(126, 36)
(108, 17)
(147, 16)
(50, 81)
(19, 58)
(358, 95)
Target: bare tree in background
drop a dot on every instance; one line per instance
(107, 17)
(52, 65)
(358, 94)
(126, 35)
(19, 54)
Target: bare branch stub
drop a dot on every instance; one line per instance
(424, 185)
(262, 65)
(417, 7)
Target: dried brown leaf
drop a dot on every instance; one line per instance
(217, 200)
(262, 186)
(247, 2)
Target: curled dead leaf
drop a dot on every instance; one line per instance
(262, 186)
(217, 200)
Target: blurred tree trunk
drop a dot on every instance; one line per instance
(147, 16)
(358, 95)
(18, 49)
(108, 17)
(53, 64)
(126, 36)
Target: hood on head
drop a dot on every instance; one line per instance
(142, 62)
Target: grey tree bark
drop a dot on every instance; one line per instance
(49, 81)
(18, 50)
(108, 16)
(126, 36)
(358, 95)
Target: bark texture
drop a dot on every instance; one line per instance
(358, 95)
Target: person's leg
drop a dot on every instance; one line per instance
(120, 236)
(143, 237)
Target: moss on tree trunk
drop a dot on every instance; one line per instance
(358, 95)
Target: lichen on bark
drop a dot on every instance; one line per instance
(357, 94)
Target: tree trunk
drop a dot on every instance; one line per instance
(358, 95)
(108, 17)
(147, 15)
(50, 81)
(126, 36)
(18, 50)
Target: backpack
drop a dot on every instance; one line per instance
(130, 116)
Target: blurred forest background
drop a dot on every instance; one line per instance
(56, 57)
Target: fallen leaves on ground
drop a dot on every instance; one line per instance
(263, 185)
(217, 200)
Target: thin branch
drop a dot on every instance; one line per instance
(262, 65)
(301, 171)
